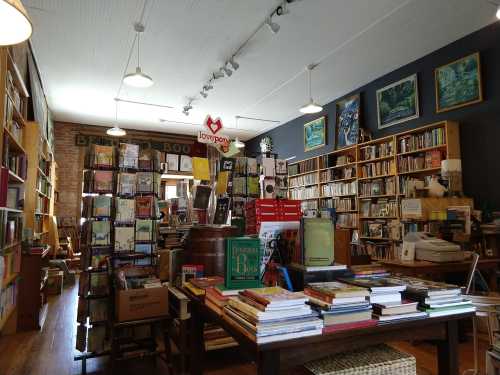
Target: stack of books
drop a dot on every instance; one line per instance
(217, 297)
(342, 306)
(368, 270)
(385, 297)
(216, 338)
(272, 314)
(436, 298)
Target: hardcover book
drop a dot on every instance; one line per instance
(222, 211)
(243, 257)
(103, 156)
(334, 289)
(127, 183)
(125, 210)
(186, 163)
(149, 159)
(124, 239)
(129, 156)
(103, 181)
(144, 230)
(173, 162)
(317, 241)
(144, 206)
(101, 206)
(101, 233)
(202, 196)
(145, 182)
(253, 186)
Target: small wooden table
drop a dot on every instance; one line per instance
(282, 356)
(423, 267)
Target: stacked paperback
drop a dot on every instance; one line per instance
(385, 297)
(341, 306)
(272, 314)
(436, 298)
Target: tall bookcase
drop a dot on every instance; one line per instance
(366, 183)
(13, 110)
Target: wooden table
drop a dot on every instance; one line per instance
(431, 269)
(282, 356)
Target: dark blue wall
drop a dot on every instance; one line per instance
(479, 123)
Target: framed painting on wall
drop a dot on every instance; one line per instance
(348, 114)
(458, 83)
(315, 134)
(398, 102)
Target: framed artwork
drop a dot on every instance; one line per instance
(315, 134)
(398, 102)
(347, 129)
(458, 83)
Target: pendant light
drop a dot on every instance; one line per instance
(237, 143)
(498, 12)
(15, 25)
(138, 78)
(310, 107)
(116, 131)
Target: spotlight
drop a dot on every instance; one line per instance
(234, 64)
(273, 26)
(203, 93)
(218, 75)
(208, 87)
(226, 70)
(188, 107)
(498, 12)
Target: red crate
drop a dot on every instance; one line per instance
(262, 203)
(288, 205)
(290, 216)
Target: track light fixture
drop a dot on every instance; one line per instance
(226, 70)
(208, 86)
(233, 63)
(187, 107)
(273, 26)
(138, 78)
(204, 94)
(218, 75)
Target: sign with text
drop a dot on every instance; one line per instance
(210, 136)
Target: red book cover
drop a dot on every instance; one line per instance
(345, 326)
(435, 159)
(207, 282)
(143, 206)
(4, 181)
(103, 181)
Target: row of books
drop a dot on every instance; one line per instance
(309, 205)
(42, 204)
(377, 187)
(332, 160)
(12, 92)
(379, 168)
(100, 232)
(97, 258)
(338, 189)
(376, 151)
(307, 179)
(246, 186)
(430, 159)
(300, 193)
(91, 311)
(344, 204)
(381, 208)
(8, 300)
(302, 167)
(245, 166)
(122, 209)
(126, 183)
(408, 186)
(430, 138)
(337, 174)
(377, 229)
(15, 162)
(92, 339)
(43, 185)
(380, 250)
(11, 228)
(347, 220)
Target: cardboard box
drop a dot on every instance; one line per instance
(136, 304)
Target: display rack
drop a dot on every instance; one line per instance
(366, 183)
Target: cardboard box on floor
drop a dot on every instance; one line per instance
(137, 304)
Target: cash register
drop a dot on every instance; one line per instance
(432, 249)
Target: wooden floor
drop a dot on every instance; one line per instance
(50, 352)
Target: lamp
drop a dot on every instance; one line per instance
(310, 107)
(15, 25)
(116, 131)
(451, 170)
(498, 12)
(138, 78)
(273, 26)
(238, 143)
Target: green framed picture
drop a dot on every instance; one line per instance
(315, 134)
(398, 102)
(243, 257)
(458, 83)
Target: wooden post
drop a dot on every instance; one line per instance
(448, 350)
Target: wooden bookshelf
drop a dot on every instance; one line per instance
(372, 162)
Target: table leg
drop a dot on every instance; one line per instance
(268, 362)
(448, 350)
(197, 349)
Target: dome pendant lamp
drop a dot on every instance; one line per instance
(310, 107)
(138, 78)
(116, 131)
(15, 25)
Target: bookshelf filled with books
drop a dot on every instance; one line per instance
(13, 112)
(120, 213)
(366, 183)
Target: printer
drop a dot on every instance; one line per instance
(433, 249)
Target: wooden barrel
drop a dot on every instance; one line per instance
(206, 245)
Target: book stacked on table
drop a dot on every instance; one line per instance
(386, 299)
(217, 297)
(368, 270)
(436, 298)
(198, 286)
(342, 306)
(272, 314)
(216, 338)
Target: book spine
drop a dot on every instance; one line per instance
(318, 295)
(255, 297)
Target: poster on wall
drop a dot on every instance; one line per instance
(458, 84)
(348, 114)
(315, 134)
(398, 102)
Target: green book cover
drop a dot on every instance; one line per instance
(243, 257)
(317, 241)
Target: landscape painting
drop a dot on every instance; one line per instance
(348, 114)
(315, 134)
(398, 102)
(458, 84)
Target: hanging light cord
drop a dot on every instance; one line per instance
(138, 49)
(310, 90)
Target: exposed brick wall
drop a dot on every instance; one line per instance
(70, 160)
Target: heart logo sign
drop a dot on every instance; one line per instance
(213, 125)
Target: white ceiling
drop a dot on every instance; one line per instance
(82, 48)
